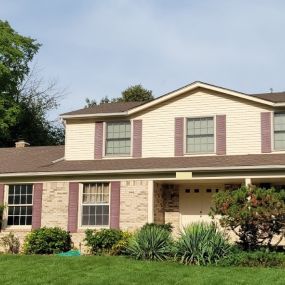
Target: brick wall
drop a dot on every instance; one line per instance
(55, 204)
(134, 204)
(158, 204)
(171, 200)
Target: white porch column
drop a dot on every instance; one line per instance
(150, 202)
(247, 181)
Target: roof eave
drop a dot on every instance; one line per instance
(98, 115)
(137, 171)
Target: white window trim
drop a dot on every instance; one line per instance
(108, 156)
(80, 207)
(5, 226)
(185, 136)
(273, 134)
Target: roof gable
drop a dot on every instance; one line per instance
(129, 108)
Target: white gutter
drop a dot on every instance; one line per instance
(130, 171)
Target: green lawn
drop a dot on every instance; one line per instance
(120, 270)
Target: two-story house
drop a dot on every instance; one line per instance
(125, 164)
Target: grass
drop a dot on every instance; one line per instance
(119, 270)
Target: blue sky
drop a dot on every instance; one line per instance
(98, 48)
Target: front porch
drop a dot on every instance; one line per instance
(181, 202)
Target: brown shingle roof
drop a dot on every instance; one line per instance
(28, 159)
(276, 97)
(169, 163)
(106, 108)
(40, 159)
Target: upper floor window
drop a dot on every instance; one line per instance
(200, 135)
(118, 138)
(279, 131)
(20, 205)
(95, 204)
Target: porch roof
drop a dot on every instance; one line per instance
(51, 160)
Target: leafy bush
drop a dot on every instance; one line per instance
(167, 226)
(255, 215)
(254, 258)
(10, 243)
(201, 244)
(120, 248)
(152, 243)
(102, 241)
(47, 241)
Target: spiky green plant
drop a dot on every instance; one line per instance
(201, 244)
(151, 243)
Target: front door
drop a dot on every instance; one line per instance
(195, 203)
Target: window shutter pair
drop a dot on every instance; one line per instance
(180, 135)
(137, 139)
(37, 203)
(73, 206)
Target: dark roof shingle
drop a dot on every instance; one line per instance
(106, 108)
(275, 97)
(41, 159)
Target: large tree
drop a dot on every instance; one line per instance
(24, 99)
(135, 93)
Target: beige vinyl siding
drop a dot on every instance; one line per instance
(79, 141)
(242, 117)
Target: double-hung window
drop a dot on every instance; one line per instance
(95, 204)
(118, 138)
(20, 205)
(279, 131)
(200, 135)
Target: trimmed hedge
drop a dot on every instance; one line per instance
(47, 241)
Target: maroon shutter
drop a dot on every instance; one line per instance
(179, 136)
(73, 207)
(221, 135)
(98, 140)
(2, 187)
(137, 138)
(115, 205)
(265, 132)
(37, 205)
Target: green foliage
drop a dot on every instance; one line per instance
(256, 215)
(168, 226)
(10, 243)
(16, 52)
(103, 241)
(47, 241)
(201, 244)
(254, 259)
(136, 93)
(2, 208)
(120, 248)
(151, 243)
(24, 98)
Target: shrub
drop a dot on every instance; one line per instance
(120, 248)
(254, 258)
(47, 241)
(152, 243)
(10, 243)
(102, 241)
(255, 215)
(201, 244)
(167, 226)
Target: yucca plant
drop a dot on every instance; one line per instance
(201, 244)
(151, 243)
